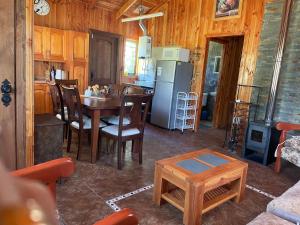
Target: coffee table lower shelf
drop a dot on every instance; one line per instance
(212, 199)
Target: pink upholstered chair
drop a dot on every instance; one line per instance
(287, 149)
(51, 171)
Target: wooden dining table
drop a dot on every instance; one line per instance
(97, 107)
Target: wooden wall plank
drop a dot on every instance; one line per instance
(191, 23)
(78, 16)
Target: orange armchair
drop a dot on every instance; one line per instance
(284, 128)
(51, 171)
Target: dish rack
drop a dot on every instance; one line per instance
(186, 111)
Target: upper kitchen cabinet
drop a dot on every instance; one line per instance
(79, 46)
(49, 44)
(57, 45)
(39, 43)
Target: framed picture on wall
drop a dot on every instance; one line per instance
(227, 8)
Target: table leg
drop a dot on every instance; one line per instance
(95, 114)
(241, 186)
(193, 204)
(160, 185)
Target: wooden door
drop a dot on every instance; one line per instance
(56, 45)
(105, 63)
(42, 99)
(39, 38)
(80, 49)
(226, 92)
(16, 60)
(79, 71)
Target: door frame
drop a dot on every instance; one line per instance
(120, 53)
(24, 83)
(222, 40)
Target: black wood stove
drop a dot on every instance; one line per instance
(261, 142)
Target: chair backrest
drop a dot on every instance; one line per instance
(56, 96)
(68, 83)
(73, 103)
(135, 107)
(134, 90)
(48, 172)
(116, 89)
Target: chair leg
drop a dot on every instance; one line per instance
(114, 145)
(99, 145)
(140, 150)
(79, 144)
(124, 146)
(69, 140)
(277, 165)
(67, 130)
(90, 137)
(119, 155)
(107, 144)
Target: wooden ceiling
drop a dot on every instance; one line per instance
(124, 7)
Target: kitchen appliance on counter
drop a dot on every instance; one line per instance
(171, 53)
(171, 77)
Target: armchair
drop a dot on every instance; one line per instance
(285, 128)
(51, 171)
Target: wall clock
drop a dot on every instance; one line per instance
(41, 7)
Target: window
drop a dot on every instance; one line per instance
(130, 57)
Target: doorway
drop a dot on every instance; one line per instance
(105, 57)
(221, 78)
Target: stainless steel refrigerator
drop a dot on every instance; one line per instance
(171, 78)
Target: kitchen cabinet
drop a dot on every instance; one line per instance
(70, 48)
(56, 45)
(39, 43)
(78, 58)
(42, 98)
(49, 44)
(79, 71)
(79, 46)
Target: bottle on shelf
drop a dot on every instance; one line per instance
(52, 73)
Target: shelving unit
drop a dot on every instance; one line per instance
(237, 124)
(186, 111)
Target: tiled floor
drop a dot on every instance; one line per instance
(81, 199)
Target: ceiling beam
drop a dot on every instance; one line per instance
(125, 7)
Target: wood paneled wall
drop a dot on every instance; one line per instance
(190, 23)
(79, 16)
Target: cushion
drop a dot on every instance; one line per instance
(87, 124)
(287, 206)
(268, 219)
(291, 154)
(293, 142)
(58, 116)
(114, 120)
(291, 150)
(114, 129)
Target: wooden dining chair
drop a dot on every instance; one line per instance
(59, 111)
(68, 83)
(58, 106)
(78, 122)
(132, 108)
(122, 89)
(116, 89)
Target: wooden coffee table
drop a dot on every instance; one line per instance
(199, 181)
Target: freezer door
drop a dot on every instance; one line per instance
(162, 104)
(165, 71)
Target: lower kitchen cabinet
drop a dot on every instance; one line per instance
(42, 98)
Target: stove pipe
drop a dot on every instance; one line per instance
(143, 27)
(278, 62)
